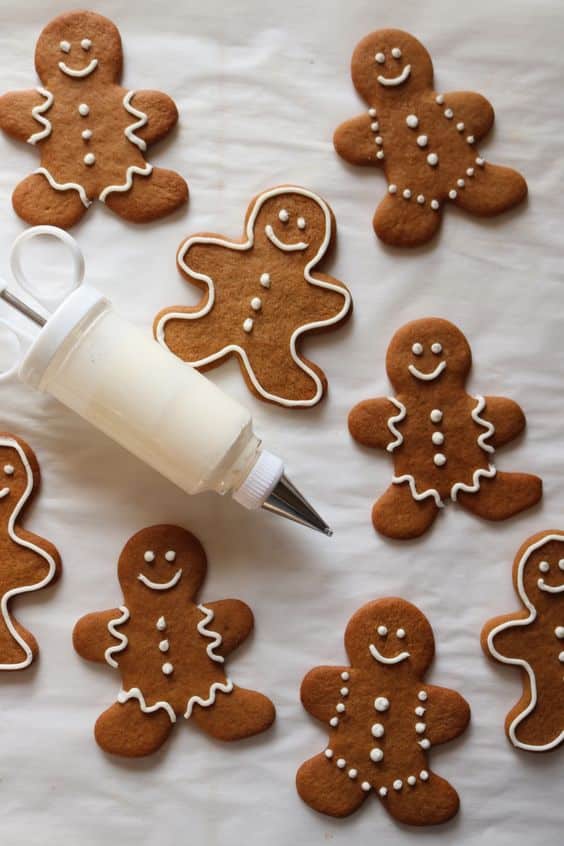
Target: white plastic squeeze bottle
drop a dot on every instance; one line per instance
(169, 415)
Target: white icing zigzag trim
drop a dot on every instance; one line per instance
(10, 442)
(475, 486)
(205, 703)
(135, 693)
(214, 636)
(489, 427)
(65, 186)
(129, 131)
(396, 418)
(142, 171)
(520, 662)
(37, 114)
(407, 477)
(246, 245)
(123, 639)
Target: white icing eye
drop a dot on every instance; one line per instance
(283, 216)
(9, 469)
(149, 556)
(86, 44)
(380, 58)
(301, 223)
(417, 349)
(436, 348)
(170, 555)
(400, 633)
(561, 563)
(396, 52)
(382, 631)
(544, 566)
(64, 46)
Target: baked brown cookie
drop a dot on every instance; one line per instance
(442, 439)
(261, 297)
(533, 640)
(383, 719)
(425, 142)
(169, 651)
(27, 562)
(92, 133)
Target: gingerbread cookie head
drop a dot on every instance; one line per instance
(390, 64)
(18, 474)
(79, 45)
(539, 570)
(426, 352)
(390, 633)
(163, 561)
(293, 220)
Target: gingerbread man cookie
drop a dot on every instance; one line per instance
(533, 639)
(27, 562)
(442, 439)
(261, 297)
(169, 651)
(383, 719)
(425, 142)
(92, 134)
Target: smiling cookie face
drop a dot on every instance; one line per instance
(390, 63)
(293, 221)
(159, 561)
(16, 479)
(430, 351)
(539, 572)
(79, 45)
(390, 633)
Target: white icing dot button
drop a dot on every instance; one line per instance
(424, 775)
(398, 784)
(345, 676)
(328, 753)
(365, 786)
(164, 645)
(86, 134)
(422, 696)
(425, 744)
(83, 110)
(432, 159)
(340, 708)
(420, 728)
(376, 754)
(375, 126)
(352, 773)
(561, 657)
(460, 126)
(470, 171)
(559, 632)
(412, 121)
(439, 459)
(381, 703)
(439, 99)
(392, 189)
(420, 710)
(161, 624)
(411, 780)
(422, 140)
(383, 791)
(421, 199)
(341, 763)
(334, 721)
(344, 691)
(377, 730)
(434, 205)
(248, 324)
(448, 113)
(89, 159)
(438, 438)
(436, 415)
(167, 668)
(372, 112)
(380, 154)
(406, 193)
(256, 303)
(453, 194)
(265, 280)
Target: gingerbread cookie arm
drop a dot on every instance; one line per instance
(446, 715)
(321, 690)
(354, 141)
(157, 114)
(506, 635)
(92, 636)
(232, 621)
(373, 423)
(473, 110)
(506, 417)
(21, 114)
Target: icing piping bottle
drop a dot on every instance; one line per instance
(165, 412)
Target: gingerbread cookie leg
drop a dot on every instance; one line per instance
(124, 729)
(503, 496)
(11, 652)
(495, 190)
(398, 515)
(528, 729)
(327, 789)
(149, 197)
(430, 802)
(405, 223)
(241, 713)
(36, 202)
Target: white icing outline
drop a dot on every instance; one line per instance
(246, 245)
(478, 474)
(123, 639)
(135, 693)
(395, 80)
(141, 171)
(427, 377)
(288, 248)
(13, 444)
(377, 655)
(216, 638)
(396, 418)
(205, 703)
(79, 74)
(161, 585)
(65, 186)
(129, 131)
(407, 477)
(37, 114)
(520, 662)
(490, 428)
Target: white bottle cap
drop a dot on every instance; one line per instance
(261, 481)
(82, 302)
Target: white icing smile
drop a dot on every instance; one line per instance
(160, 585)
(388, 81)
(427, 377)
(90, 68)
(4, 492)
(271, 235)
(542, 585)
(401, 656)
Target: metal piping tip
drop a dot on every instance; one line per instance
(288, 502)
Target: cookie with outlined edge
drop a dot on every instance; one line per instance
(383, 719)
(424, 141)
(533, 640)
(27, 562)
(442, 439)
(262, 295)
(92, 134)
